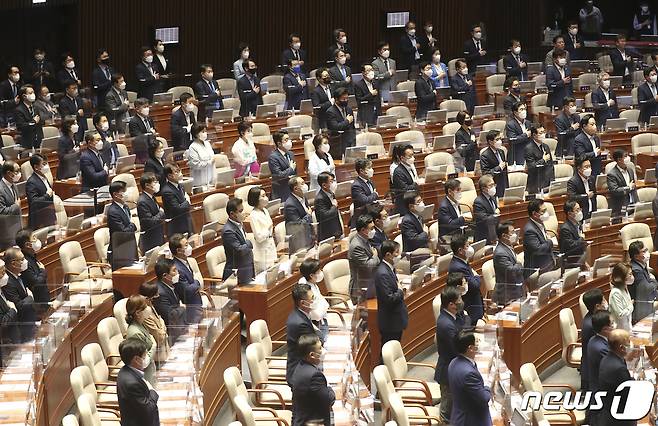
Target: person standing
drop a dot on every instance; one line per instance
(392, 315)
(262, 227)
(138, 401)
(135, 317)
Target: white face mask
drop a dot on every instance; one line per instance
(105, 126)
(175, 279)
(627, 161)
(31, 97)
(189, 107)
(562, 62)
(477, 35)
(513, 238)
(319, 277)
(410, 160)
(342, 60)
(412, 33)
(98, 146)
(516, 50)
(386, 54)
(146, 111)
(4, 280)
(370, 75)
(46, 97)
(17, 177)
(523, 114)
(579, 216)
(325, 148)
(287, 145)
(370, 173)
(428, 73)
(160, 48)
(647, 256)
(645, 9)
(464, 71)
(343, 40)
(420, 207)
(492, 191)
(122, 86)
(573, 110)
(436, 59)
(203, 136)
(75, 128)
(397, 259)
(156, 187)
(458, 195)
(296, 46)
(159, 154)
(24, 265)
(188, 250)
(605, 84)
(70, 65)
(209, 76)
(498, 144)
(148, 59)
(587, 172)
(15, 78)
(428, 29)
(304, 188)
(371, 233)
(573, 31)
(333, 186)
(653, 78)
(36, 245)
(470, 251)
(544, 217)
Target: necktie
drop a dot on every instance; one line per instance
(180, 188)
(20, 281)
(296, 54)
(126, 210)
(212, 88)
(653, 89)
(328, 92)
(344, 74)
(73, 75)
(31, 112)
(13, 191)
(13, 89)
(344, 112)
(493, 203)
(477, 45)
(107, 73)
(386, 64)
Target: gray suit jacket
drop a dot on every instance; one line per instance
(10, 216)
(115, 107)
(387, 82)
(362, 267)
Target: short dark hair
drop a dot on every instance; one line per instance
(580, 160)
(503, 228)
(116, 77)
(35, 159)
(140, 102)
(8, 166)
(648, 70)
(635, 248)
(170, 168)
(148, 289)
(585, 119)
(341, 91)
(318, 139)
(253, 196)
(204, 67)
(591, 298)
(492, 134)
(534, 206)
(117, 186)
(557, 37)
(130, 348)
(147, 178)
(559, 53)
(517, 105)
(22, 237)
(299, 292)
(363, 221)
(23, 90)
(424, 64)
(323, 177)
(362, 164)
(461, 117)
(452, 185)
(175, 243)
(309, 267)
(277, 136)
(534, 129)
(567, 100)
(409, 198)
(243, 126)
(570, 205)
(292, 182)
(620, 36)
(306, 343)
(144, 49)
(600, 319)
(162, 266)
(449, 295)
(184, 97)
(197, 128)
(375, 210)
(232, 205)
(457, 242)
(388, 246)
(97, 118)
(455, 279)
(382, 44)
(463, 341)
(618, 154)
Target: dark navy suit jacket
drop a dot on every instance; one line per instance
(392, 315)
(473, 303)
(239, 253)
(470, 397)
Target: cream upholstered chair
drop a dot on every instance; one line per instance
(216, 261)
(70, 420)
(495, 84)
(436, 307)
(646, 195)
(582, 306)
(634, 232)
(274, 83)
(401, 112)
(102, 242)
(261, 132)
(587, 79)
(397, 366)
(260, 333)
(452, 69)
(234, 104)
(61, 217)
(176, 91)
(469, 193)
(531, 382)
(308, 148)
(235, 387)
(92, 357)
(372, 141)
(337, 278)
(221, 162)
(246, 414)
(89, 413)
(632, 115)
(386, 388)
(552, 145)
(303, 121)
(634, 96)
(214, 208)
(242, 193)
(500, 66)
(489, 275)
(120, 312)
(605, 63)
(517, 179)
(401, 415)
(453, 106)
(644, 142)
(7, 140)
(50, 132)
(601, 202)
(132, 96)
(260, 377)
(588, 100)
(109, 337)
(227, 86)
(82, 383)
(440, 159)
(274, 98)
(551, 224)
(572, 351)
(433, 242)
(408, 85)
(494, 125)
(280, 234)
(81, 275)
(415, 136)
(450, 128)
(563, 170)
(538, 103)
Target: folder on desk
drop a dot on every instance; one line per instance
(163, 98)
(427, 213)
(387, 121)
(125, 163)
(570, 278)
(616, 124)
(49, 144)
(557, 188)
(642, 210)
(353, 153)
(650, 176)
(534, 67)
(484, 110)
(399, 96)
(74, 223)
(436, 173)
(225, 178)
(653, 121)
(266, 110)
(624, 101)
(528, 86)
(616, 81)
(514, 194)
(444, 142)
(600, 218)
(306, 107)
(222, 116)
(11, 152)
(437, 116)
(343, 189)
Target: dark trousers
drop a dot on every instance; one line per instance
(387, 336)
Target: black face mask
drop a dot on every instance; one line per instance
(516, 90)
(468, 122)
(252, 71)
(343, 104)
(105, 61)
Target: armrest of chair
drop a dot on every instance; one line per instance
(339, 300)
(335, 312)
(570, 361)
(113, 384)
(258, 392)
(429, 419)
(559, 385)
(205, 293)
(417, 405)
(112, 356)
(425, 388)
(276, 357)
(106, 392)
(278, 420)
(467, 207)
(571, 415)
(421, 364)
(279, 343)
(552, 232)
(109, 410)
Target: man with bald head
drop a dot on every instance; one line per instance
(612, 373)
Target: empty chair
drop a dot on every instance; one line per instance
(109, 337)
(494, 125)
(632, 115)
(242, 193)
(563, 171)
(397, 366)
(259, 333)
(587, 79)
(232, 103)
(531, 382)
(337, 279)
(538, 104)
(409, 86)
(440, 159)
(89, 413)
(102, 242)
(372, 141)
(469, 193)
(82, 383)
(261, 132)
(386, 389)
(227, 86)
(416, 137)
(453, 106)
(401, 112)
(235, 387)
(402, 417)
(50, 132)
(517, 179)
(70, 420)
(246, 414)
(646, 195)
(81, 275)
(488, 276)
(634, 232)
(179, 90)
(303, 121)
(495, 84)
(261, 379)
(92, 357)
(552, 145)
(214, 208)
(601, 202)
(274, 98)
(451, 128)
(644, 142)
(572, 351)
(274, 83)
(216, 261)
(120, 312)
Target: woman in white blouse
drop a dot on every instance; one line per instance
(313, 275)
(263, 230)
(320, 161)
(621, 304)
(200, 157)
(244, 152)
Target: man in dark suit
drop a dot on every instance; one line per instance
(298, 324)
(381, 221)
(485, 210)
(326, 208)
(513, 85)
(363, 188)
(138, 401)
(9, 95)
(94, 171)
(122, 230)
(572, 241)
(573, 42)
(239, 250)
(40, 71)
(558, 80)
(363, 259)
(425, 92)
(294, 85)
(604, 100)
(182, 121)
(341, 74)
(597, 349)
(28, 122)
(249, 89)
(470, 397)
(613, 372)
(69, 73)
(187, 288)
(8, 313)
(41, 209)
(322, 97)
(447, 330)
(101, 76)
(147, 76)
(312, 397)
(509, 271)
(414, 235)
(10, 208)
(465, 140)
(282, 165)
(410, 49)
(475, 50)
(647, 95)
(517, 130)
(463, 86)
(539, 161)
(110, 150)
(367, 96)
(537, 245)
(340, 43)
(141, 123)
(621, 182)
(450, 214)
(73, 105)
(117, 103)
(588, 144)
(207, 92)
(16, 292)
(340, 123)
(297, 216)
(493, 161)
(392, 315)
(567, 124)
(594, 302)
(151, 215)
(176, 202)
(294, 52)
(34, 277)
(404, 179)
(168, 304)
(622, 59)
(516, 63)
(645, 285)
(462, 254)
